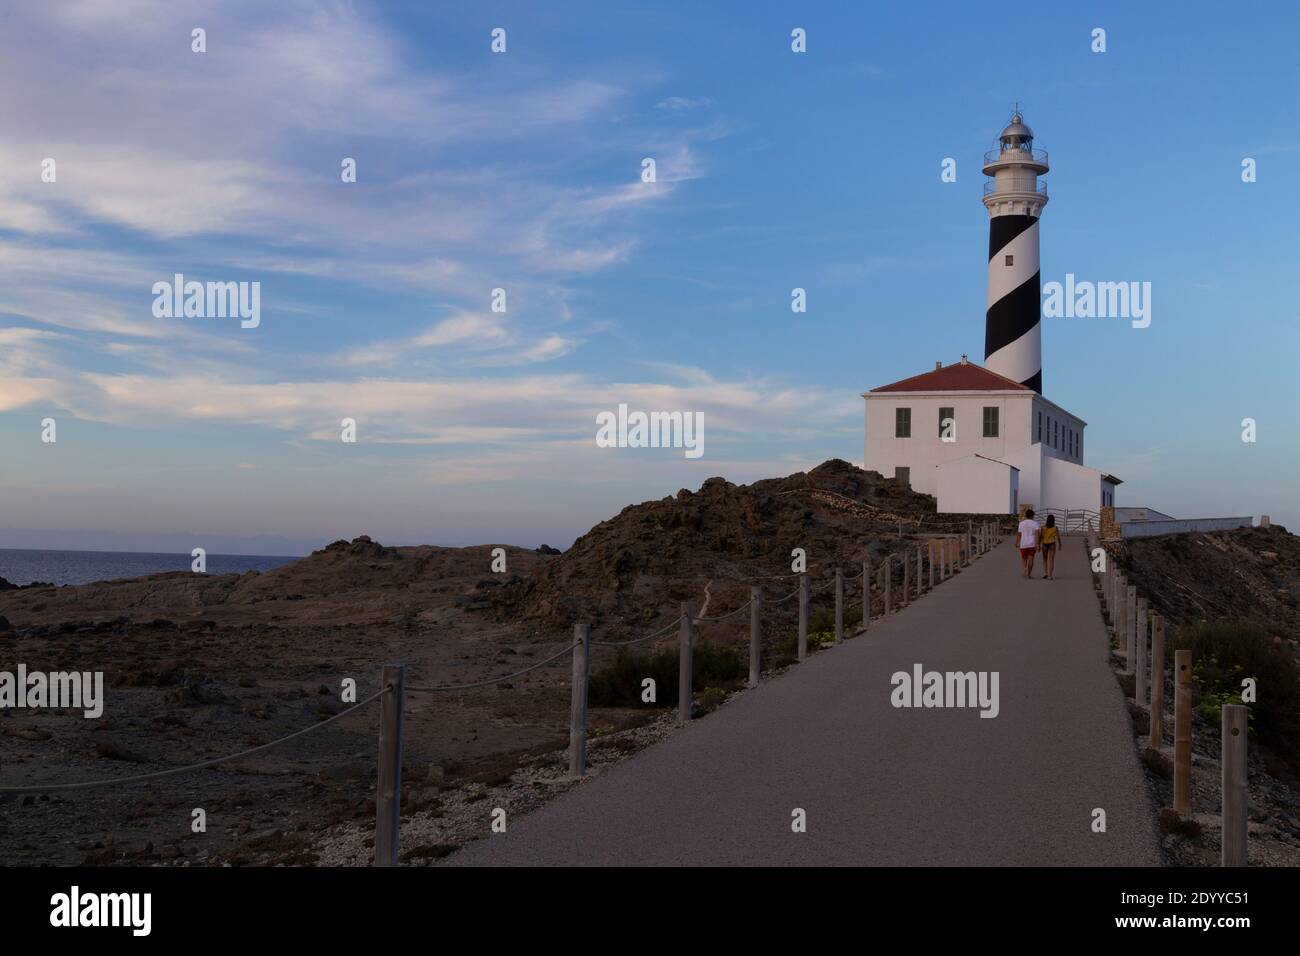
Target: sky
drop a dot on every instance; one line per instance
(523, 171)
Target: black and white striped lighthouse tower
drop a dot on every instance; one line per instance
(1015, 199)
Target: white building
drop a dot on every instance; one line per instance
(985, 440)
(981, 443)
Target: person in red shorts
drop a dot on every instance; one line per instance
(1027, 535)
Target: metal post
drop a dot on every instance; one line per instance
(1140, 682)
(388, 792)
(686, 648)
(839, 605)
(866, 594)
(968, 539)
(1157, 681)
(1235, 798)
(1183, 733)
(930, 547)
(803, 616)
(755, 635)
(920, 560)
(578, 701)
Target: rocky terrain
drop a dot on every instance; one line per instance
(1250, 575)
(200, 666)
(1231, 596)
(635, 568)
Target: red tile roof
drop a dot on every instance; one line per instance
(955, 378)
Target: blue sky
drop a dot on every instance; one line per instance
(522, 171)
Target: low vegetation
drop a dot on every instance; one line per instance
(618, 683)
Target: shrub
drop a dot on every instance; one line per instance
(1226, 652)
(711, 700)
(618, 683)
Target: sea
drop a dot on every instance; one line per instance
(20, 566)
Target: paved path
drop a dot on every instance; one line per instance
(884, 785)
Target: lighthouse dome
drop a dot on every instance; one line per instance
(1016, 132)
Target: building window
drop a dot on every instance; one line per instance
(1056, 435)
(904, 475)
(1040, 426)
(1011, 260)
(990, 421)
(947, 423)
(902, 423)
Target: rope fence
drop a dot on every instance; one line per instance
(1139, 634)
(158, 775)
(495, 680)
(942, 550)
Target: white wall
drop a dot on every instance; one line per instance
(924, 451)
(1064, 422)
(1067, 485)
(1030, 462)
(977, 485)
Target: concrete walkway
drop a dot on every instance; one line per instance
(882, 785)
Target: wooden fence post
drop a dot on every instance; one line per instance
(578, 701)
(1157, 681)
(1130, 628)
(889, 579)
(388, 792)
(907, 579)
(685, 665)
(839, 605)
(803, 616)
(755, 635)
(866, 594)
(1121, 589)
(1235, 798)
(1140, 681)
(1107, 578)
(1183, 733)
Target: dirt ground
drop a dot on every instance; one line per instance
(200, 666)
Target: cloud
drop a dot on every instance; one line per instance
(678, 104)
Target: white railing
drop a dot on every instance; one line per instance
(1034, 155)
(991, 185)
(1071, 520)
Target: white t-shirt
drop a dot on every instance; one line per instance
(1029, 533)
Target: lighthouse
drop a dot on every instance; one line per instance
(1015, 199)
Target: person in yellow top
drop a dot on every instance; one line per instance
(1048, 545)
